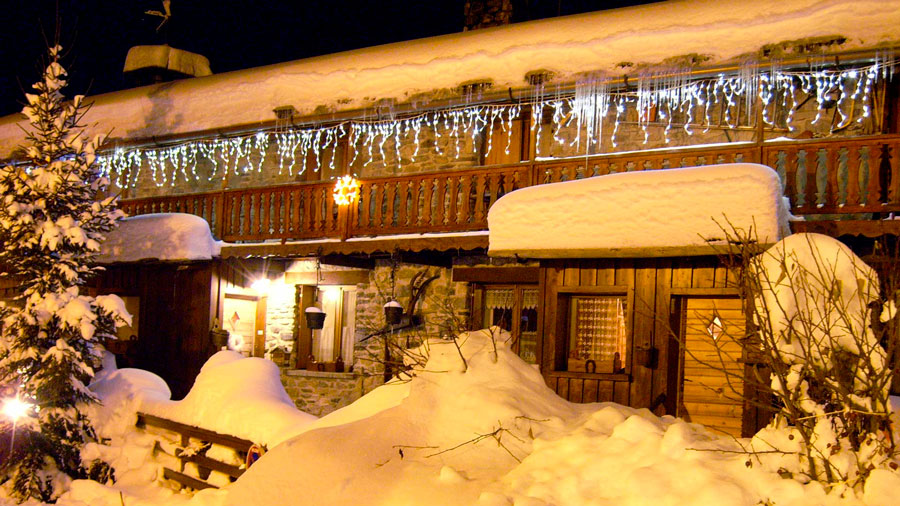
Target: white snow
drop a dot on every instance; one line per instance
(595, 42)
(549, 451)
(239, 396)
(163, 236)
(646, 213)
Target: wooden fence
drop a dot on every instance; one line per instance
(842, 176)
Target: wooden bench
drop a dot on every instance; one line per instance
(193, 445)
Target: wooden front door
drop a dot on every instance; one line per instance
(712, 371)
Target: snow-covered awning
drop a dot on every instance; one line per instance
(605, 42)
(163, 237)
(640, 214)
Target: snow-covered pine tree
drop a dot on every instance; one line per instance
(51, 225)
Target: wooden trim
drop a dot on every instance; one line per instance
(215, 465)
(586, 375)
(241, 296)
(593, 290)
(259, 328)
(144, 419)
(305, 296)
(185, 480)
(352, 277)
(513, 275)
(704, 292)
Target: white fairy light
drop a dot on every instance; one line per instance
(675, 100)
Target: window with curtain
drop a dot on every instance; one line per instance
(597, 334)
(514, 309)
(337, 337)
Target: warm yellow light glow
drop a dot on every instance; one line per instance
(16, 408)
(346, 190)
(331, 293)
(261, 285)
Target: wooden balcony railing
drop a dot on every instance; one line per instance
(842, 176)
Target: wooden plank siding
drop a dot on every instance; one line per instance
(656, 289)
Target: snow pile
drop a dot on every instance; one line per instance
(648, 213)
(568, 46)
(813, 278)
(163, 236)
(239, 396)
(488, 432)
(395, 456)
(830, 372)
(130, 452)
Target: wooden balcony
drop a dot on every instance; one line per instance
(856, 179)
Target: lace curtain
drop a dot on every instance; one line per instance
(599, 328)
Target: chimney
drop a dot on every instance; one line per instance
(162, 63)
(487, 13)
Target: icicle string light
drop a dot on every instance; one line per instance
(577, 120)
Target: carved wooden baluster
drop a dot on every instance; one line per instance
(853, 189)
(389, 196)
(877, 177)
(364, 202)
(452, 200)
(832, 188)
(427, 199)
(440, 202)
(480, 188)
(330, 226)
(413, 204)
(377, 218)
(465, 189)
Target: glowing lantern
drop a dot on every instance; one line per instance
(346, 190)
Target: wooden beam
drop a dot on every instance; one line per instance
(353, 277)
(497, 274)
(237, 443)
(185, 480)
(215, 465)
(435, 259)
(348, 261)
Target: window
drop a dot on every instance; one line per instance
(597, 334)
(515, 309)
(336, 338)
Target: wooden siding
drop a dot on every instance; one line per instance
(651, 369)
(713, 375)
(175, 317)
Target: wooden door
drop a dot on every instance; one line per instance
(712, 372)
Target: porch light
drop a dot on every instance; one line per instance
(261, 286)
(346, 190)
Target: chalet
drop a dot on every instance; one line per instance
(350, 180)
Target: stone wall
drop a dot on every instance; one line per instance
(320, 393)
(442, 313)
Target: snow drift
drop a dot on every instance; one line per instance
(239, 396)
(162, 236)
(648, 213)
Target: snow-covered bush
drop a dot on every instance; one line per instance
(815, 307)
(51, 224)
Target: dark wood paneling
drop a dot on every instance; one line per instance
(654, 287)
(496, 274)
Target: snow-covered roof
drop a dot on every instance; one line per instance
(726, 30)
(639, 214)
(163, 237)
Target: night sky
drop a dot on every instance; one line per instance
(96, 34)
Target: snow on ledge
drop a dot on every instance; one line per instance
(163, 237)
(639, 214)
